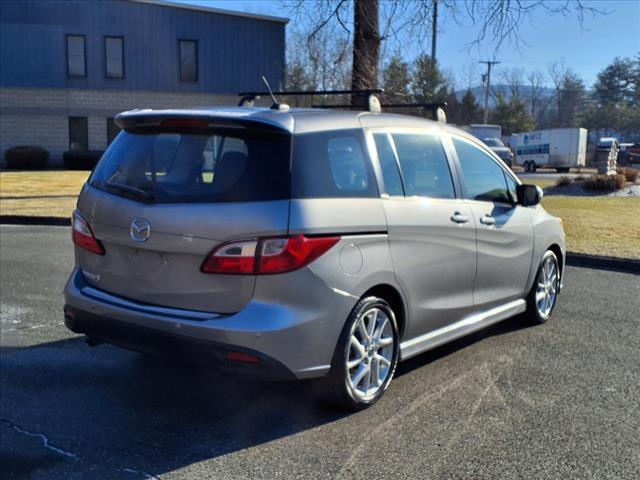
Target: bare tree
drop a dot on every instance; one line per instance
(496, 20)
(536, 79)
(513, 79)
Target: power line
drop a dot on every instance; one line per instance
(489, 63)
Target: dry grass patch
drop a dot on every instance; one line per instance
(599, 225)
(40, 194)
(41, 183)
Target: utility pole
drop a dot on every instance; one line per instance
(434, 31)
(489, 63)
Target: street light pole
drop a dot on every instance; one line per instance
(489, 63)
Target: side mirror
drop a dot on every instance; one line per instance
(529, 195)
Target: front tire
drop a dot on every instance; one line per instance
(366, 357)
(544, 292)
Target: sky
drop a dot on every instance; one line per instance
(586, 48)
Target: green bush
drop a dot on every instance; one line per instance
(81, 159)
(605, 183)
(631, 174)
(26, 157)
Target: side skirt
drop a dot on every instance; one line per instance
(478, 321)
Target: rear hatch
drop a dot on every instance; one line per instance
(164, 195)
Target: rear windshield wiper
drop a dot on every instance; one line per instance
(136, 193)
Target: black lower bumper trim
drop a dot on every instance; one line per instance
(149, 340)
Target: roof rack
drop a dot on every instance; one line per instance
(437, 108)
(373, 104)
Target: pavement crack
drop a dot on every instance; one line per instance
(41, 436)
(74, 456)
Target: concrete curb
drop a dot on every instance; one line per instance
(628, 265)
(27, 220)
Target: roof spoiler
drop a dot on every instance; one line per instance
(371, 100)
(153, 120)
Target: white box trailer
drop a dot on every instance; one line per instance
(559, 148)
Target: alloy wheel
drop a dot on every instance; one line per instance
(547, 287)
(370, 354)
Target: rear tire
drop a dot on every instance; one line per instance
(544, 293)
(365, 358)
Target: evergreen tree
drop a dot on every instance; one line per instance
(396, 81)
(470, 110)
(571, 97)
(512, 115)
(428, 83)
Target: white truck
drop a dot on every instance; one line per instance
(559, 148)
(491, 136)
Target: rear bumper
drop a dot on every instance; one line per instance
(149, 340)
(294, 339)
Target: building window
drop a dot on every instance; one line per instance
(76, 56)
(112, 130)
(114, 57)
(78, 133)
(189, 60)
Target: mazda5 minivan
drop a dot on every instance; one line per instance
(305, 244)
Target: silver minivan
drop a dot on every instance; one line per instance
(305, 243)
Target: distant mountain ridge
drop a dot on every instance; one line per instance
(479, 90)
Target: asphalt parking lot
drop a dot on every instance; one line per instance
(555, 401)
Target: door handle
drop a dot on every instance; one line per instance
(459, 218)
(487, 220)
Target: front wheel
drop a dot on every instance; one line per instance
(544, 293)
(365, 358)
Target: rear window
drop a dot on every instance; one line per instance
(332, 164)
(211, 166)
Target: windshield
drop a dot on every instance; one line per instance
(213, 166)
(493, 142)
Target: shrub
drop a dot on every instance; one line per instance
(26, 157)
(631, 174)
(563, 182)
(81, 159)
(605, 183)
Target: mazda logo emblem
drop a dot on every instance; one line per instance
(140, 229)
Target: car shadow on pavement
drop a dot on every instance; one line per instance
(513, 324)
(108, 406)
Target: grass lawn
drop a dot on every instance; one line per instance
(599, 225)
(40, 193)
(595, 225)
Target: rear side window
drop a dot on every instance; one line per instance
(425, 169)
(483, 178)
(208, 166)
(332, 165)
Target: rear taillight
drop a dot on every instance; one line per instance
(234, 257)
(83, 236)
(280, 255)
(267, 255)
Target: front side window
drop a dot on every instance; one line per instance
(76, 56)
(114, 57)
(483, 178)
(188, 60)
(332, 165)
(424, 165)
